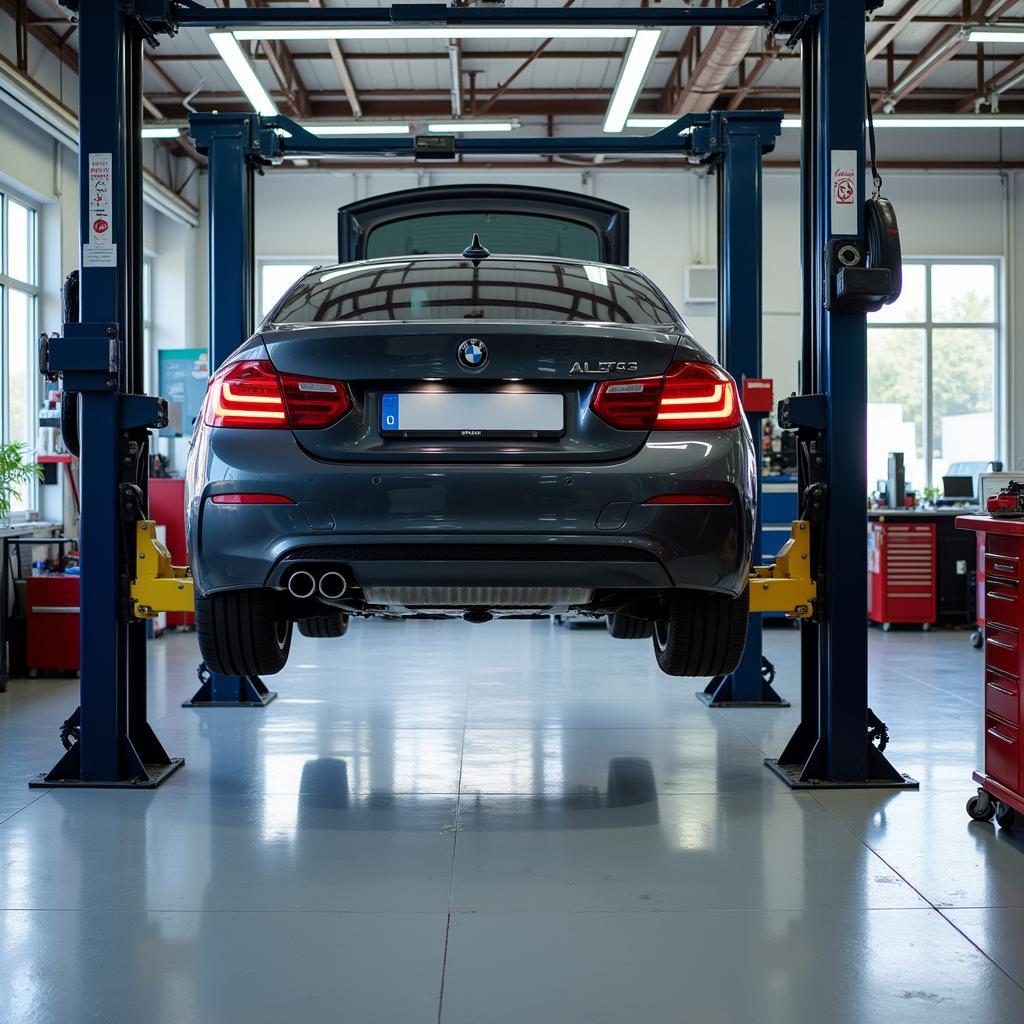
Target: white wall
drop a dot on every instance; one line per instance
(672, 218)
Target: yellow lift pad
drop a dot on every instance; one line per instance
(158, 586)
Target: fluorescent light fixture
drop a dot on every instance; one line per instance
(631, 78)
(654, 123)
(994, 34)
(940, 121)
(358, 128)
(231, 52)
(456, 127)
(161, 133)
(400, 34)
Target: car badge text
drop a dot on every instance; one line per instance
(605, 366)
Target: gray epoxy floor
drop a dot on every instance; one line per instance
(511, 822)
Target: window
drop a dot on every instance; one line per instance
(528, 234)
(19, 296)
(276, 277)
(456, 289)
(933, 358)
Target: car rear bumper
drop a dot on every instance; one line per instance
(399, 526)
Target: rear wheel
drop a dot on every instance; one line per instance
(625, 627)
(241, 633)
(704, 634)
(324, 625)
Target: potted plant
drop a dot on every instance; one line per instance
(15, 472)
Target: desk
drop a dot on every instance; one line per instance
(955, 556)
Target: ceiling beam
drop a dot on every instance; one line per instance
(334, 51)
(896, 26)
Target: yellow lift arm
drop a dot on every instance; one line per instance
(787, 586)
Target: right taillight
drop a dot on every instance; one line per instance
(690, 396)
(252, 393)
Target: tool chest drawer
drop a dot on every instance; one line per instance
(1001, 544)
(1004, 567)
(1001, 648)
(1002, 696)
(1001, 746)
(1001, 602)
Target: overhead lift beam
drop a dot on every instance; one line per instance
(832, 746)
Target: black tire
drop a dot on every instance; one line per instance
(324, 625)
(981, 810)
(625, 627)
(977, 639)
(704, 635)
(242, 634)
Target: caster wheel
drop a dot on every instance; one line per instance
(926, 627)
(1006, 817)
(977, 639)
(981, 807)
(886, 626)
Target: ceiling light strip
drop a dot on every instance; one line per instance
(631, 78)
(240, 68)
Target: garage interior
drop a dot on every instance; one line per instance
(526, 819)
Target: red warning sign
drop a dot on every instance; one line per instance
(100, 226)
(845, 191)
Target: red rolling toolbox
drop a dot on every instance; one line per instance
(167, 507)
(1002, 781)
(52, 622)
(901, 572)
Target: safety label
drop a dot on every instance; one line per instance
(100, 250)
(844, 191)
(103, 255)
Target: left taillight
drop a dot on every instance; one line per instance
(251, 393)
(690, 396)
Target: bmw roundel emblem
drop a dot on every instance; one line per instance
(473, 354)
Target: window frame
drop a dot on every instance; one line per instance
(33, 291)
(928, 325)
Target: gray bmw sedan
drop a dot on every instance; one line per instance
(472, 435)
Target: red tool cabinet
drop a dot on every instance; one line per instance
(52, 622)
(1002, 780)
(167, 507)
(901, 572)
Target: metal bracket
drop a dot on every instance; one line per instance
(787, 586)
(143, 411)
(85, 358)
(158, 586)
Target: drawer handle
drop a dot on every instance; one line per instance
(42, 609)
(1000, 736)
(1009, 693)
(994, 595)
(999, 643)
(1005, 566)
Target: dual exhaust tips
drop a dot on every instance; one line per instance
(331, 585)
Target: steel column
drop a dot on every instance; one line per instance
(831, 746)
(228, 140)
(100, 359)
(740, 203)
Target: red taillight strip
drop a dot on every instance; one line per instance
(688, 499)
(251, 499)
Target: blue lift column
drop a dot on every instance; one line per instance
(230, 141)
(99, 359)
(832, 746)
(740, 204)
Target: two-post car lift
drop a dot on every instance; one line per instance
(126, 574)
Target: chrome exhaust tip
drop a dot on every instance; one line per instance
(332, 585)
(301, 584)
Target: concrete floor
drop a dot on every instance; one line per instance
(512, 822)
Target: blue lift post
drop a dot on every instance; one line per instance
(832, 745)
(228, 141)
(100, 360)
(740, 206)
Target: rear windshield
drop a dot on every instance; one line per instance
(454, 289)
(527, 234)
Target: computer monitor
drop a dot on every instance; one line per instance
(961, 487)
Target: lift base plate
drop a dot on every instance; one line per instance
(156, 773)
(709, 700)
(790, 774)
(261, 703)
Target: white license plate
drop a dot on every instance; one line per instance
(472, 414)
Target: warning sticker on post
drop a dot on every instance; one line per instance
(100, 250)
(844, 192)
